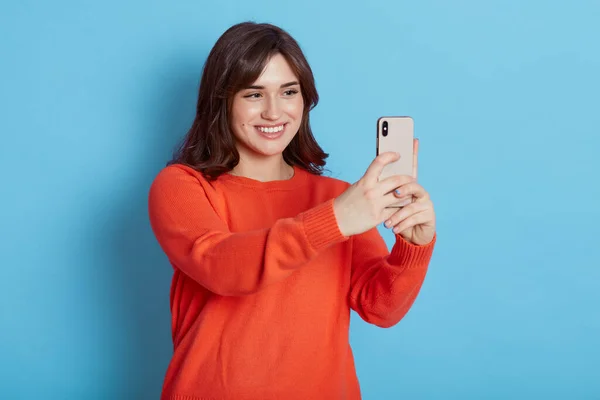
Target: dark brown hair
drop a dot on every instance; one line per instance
(236, 61)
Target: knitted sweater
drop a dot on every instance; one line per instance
(264, 282)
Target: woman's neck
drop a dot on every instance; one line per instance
(274, 169)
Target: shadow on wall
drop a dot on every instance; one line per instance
(167, 102)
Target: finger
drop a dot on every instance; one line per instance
(397, 203)
(387, 213)
(420, 218)
(390, 201)
(372, 174)
(411, 189)
(404, 213)
(391, 183)
(405, 200)
(415, 157)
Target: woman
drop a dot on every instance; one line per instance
(270, 256)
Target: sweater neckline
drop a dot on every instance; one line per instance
(283, 184)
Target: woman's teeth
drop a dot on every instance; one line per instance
(274, 129)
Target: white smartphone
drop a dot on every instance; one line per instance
(396, 134)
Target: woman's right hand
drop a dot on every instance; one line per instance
(363, 205)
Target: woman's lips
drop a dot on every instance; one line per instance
(271, 135)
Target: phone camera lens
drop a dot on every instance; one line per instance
(385, 128)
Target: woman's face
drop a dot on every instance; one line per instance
(266, 116)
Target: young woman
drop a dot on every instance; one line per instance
(270, 256)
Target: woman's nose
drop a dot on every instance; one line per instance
(272, 110)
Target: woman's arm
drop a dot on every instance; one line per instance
(197, 241)
(384, 284)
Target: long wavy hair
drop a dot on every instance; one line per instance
(236, 61)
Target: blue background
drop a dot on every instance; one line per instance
(505, 97)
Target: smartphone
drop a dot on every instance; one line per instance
(396, 134)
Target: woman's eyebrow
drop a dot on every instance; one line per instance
(257, 87)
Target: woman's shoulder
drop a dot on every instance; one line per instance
(177, 175)
(332, 184)
(330, 180)
(172, 171)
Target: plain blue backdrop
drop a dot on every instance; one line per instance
(505, 97)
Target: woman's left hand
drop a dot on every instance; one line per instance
(416, 221)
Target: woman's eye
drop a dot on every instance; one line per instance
(290, 92)
(252, 96)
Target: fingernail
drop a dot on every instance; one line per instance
(387, 224)
(397, 191)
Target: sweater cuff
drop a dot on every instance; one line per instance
(407, 254)
(321, 227)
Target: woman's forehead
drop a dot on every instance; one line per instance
(277, 72)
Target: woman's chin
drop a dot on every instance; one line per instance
(270, 151)
(269, 148)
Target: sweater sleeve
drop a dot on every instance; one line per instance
(384, 285)
(198, 242)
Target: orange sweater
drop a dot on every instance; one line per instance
(264, 282)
